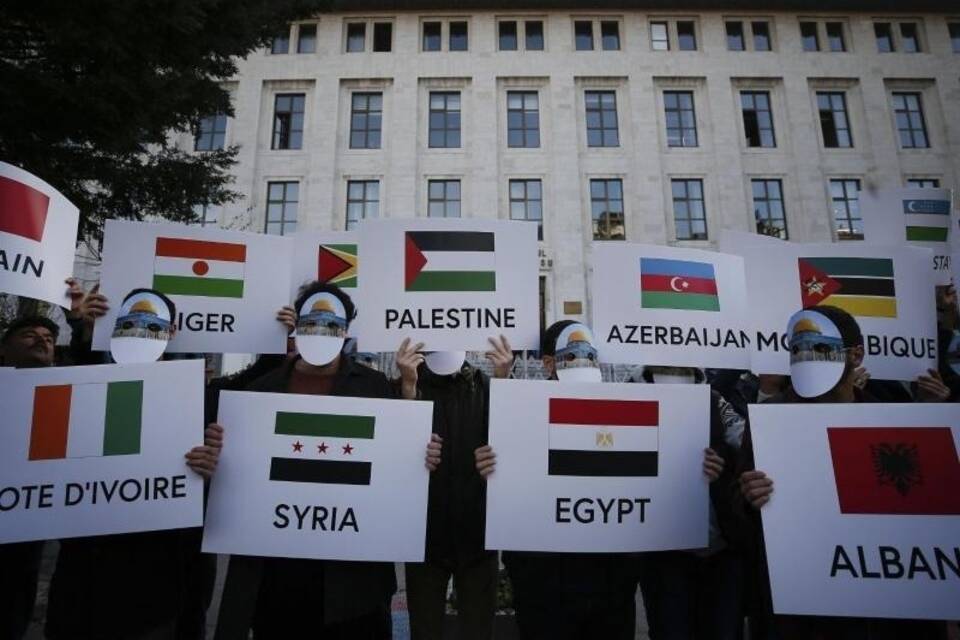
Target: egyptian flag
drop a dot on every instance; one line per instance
(927, 220)
(859, 286)
(603, 437)
(23, 209)
(450, 261)
(86, 420)
(896, 470)
(678, 284)
(185, 267)
(337, 264)
(323, 448)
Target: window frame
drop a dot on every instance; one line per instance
(831, 94)
(200, 133)
(784, 229)
(284, 222)
(445, 201)
(202, 213)
(687, 199)
(920, 183)
(846, 200)
(446, 112)
(600, 110)
(804, 37)
(768, 35)
(350, 38)
(374, 40)
(841, 36)
(910, 113)
(312, 27)
(366, 112)
(727, 24)
(888, 26)
(500, 34)
(363, 202)
(450, 36)
(274, 50)
(607, 213)
(679, 109)
(277, 133)
(953, 33)
(525, 201)
(666, 35)
(754, 94)
(524, 112)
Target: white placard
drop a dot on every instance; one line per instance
(450, 283)
(95, 450)
(227, 285)
(655, 305)
(359, 495)
(38, 235)
(921, 217)
(864, 520)
(327, 256)
(593, 467)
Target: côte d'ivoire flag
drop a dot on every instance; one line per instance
(603, 437)
(86, 420)
(323, 448)
(185, 267)
(337, 264)
(23, 209)
(895, 470)
(450, 261)
(678, 284)
(859, 286)
(927, 220)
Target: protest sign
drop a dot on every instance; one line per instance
(592, 467)
(304, 476)
(94, 450)
(669, 306)
(864, 520)
(450, 283)
(327, 256)
(38, 236)
(227, 285)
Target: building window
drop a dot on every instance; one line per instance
(757, 119)
(523, 119)
(458, 36)
(768, 208)
(363, 201)
(686, 36)
(307, 38)
(282, 199)
(884, 35)
(533, 32)
(808, 35)
(583, 35)
(835, 37)
(431, 36)
(761, 36)
(366, 119)
(210, 133)
(601, 110)
(610, 35)
(910, 125)
(833, 119)
(659, 36)
(356, 37)
(281, 43)
(288, 121)
(924, 183)
(206, 215)
(954, 28)
(735, 36)
(508, 35)
(443, 199)
(681, 118)
(382, 36)
(526, 203)
(444, 119)
(910, 37)
(689, 213)
(606, 209)
(845, 195)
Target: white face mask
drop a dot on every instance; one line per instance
(817, 356)
(575, 357)
(670, 378)
(580, 374)
(143, 330)
(445, 363)
(321, 329)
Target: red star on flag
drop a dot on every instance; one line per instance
(297, 446)
(322, 447)
(347, 449)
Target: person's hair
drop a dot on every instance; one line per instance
(548, 342)
(171, 307)
(846, 324)
(30, 322)
(316, 286)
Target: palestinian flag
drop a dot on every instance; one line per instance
(603, 437)
(927, 220)
(86, 420)
(895, 470)
(23, 209)
(323, 448)
(450, 261)
(337, 264)
(859, 286)
(185, 267)
(678, 284)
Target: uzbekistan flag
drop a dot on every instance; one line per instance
(86, 420)
(23, 209)
(678, 284)
(337, 264)
(184, 267)
(895, 470)
(859, 286)
(603, 437)
(450, 261)
(927, 220)
(321, 448)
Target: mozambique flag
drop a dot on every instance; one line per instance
(187, 267)
(927, 220)
(86, 420)
(325, 448)
(678, 284)
(860, 286)
(337, 264)
(603, 437)
(895, 470)
(23, 209)
(450, 261)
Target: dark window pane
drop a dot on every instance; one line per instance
(686, 36)
(458, 36)
(910, 37)
(356, 36)
(281, 213)
(534, 35)
(884, 35)
(583, 35)
(307, 38)
(910, 122)
(610, 35)
(808, 34)
(431, 36)
(508, 35)
(835, 36)
(601, 114)
(954, 28)
(735, 36)
(281, 43)
(680, 118)
(382, 36)
(761, 36)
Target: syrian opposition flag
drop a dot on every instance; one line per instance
(185, 267)
(23, 209)
(603, 437)
(86, 420)
(450, 261)
(337, 264)
(678, 284)
(895, 470)
(927, 220)
(322, 448)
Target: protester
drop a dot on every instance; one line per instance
(948, 334)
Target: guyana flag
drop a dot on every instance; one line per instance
(859, 286)
(187, 267)
(450, 261)
(323, 448)
(337, 264)
(927, 220)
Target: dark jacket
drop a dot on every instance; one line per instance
(332, 591)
